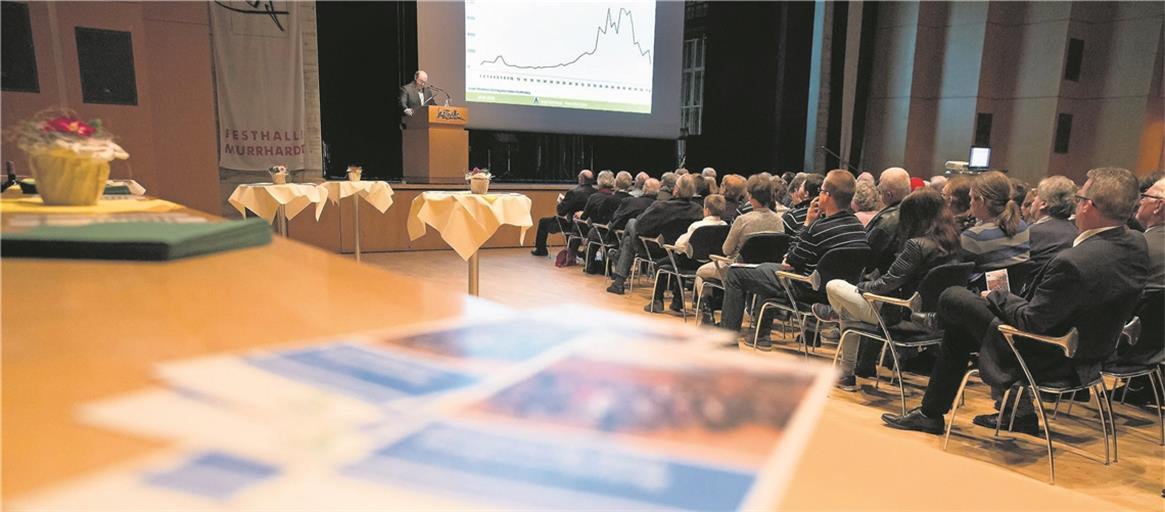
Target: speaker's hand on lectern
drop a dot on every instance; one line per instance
(408, 112)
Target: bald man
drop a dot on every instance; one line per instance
(573, 201)
(882, 231)
(415, 94)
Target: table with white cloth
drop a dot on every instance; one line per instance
(466, 221)
(377, 193)
(278, 203)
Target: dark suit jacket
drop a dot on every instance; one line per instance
(882, 235)
(575, 200)
(409, 99)
(1092, 287)
(1049, 238)
(629, 209)
(602, 205)
(663, 215)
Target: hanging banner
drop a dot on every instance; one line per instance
(258, 65)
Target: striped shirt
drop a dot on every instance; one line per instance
(795, 218)
(842, 229)
(989, 248)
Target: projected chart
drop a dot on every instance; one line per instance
(575, 54)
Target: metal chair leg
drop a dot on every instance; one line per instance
(898, 373)
(1070, 401)
(1101, 405)
(1002, 409)
(955, 406)
(1039, 406)
(1155, 375)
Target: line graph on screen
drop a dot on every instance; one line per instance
(584, 55)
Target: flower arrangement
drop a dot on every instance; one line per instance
(478, 174)
(68, 157)
(62, 129)
(278, 174)
(478, 180)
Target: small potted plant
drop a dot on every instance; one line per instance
(278, 174)
(354, 172)
(69, 158)
(478, 180)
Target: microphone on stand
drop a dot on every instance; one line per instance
(840, 160)
(448, 98)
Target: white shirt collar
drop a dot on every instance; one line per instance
(1089, 234)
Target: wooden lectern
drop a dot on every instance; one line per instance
(436, 145)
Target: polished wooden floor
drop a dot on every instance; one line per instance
(515, 278)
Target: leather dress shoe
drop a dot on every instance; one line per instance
(539, 252)
(654, 306)
(914, 420)
(616, 288)
(1029, 424)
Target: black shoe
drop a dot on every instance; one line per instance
(539, 252)
(1029, 424)
(655, 306)
(914, 420)
(764, 344)
(847, 383)
(616, 288)
(676, 309)
(824, 312)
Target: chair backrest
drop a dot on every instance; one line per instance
(707, 240)
(765, 247)
(674, 228)
(844, 263)
(938, 279)
(1151, 346)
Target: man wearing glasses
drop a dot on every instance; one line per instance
(1092, 286)
(1151, 214)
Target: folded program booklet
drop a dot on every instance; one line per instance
(134, 240)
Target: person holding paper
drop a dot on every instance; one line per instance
(1092, 286)
(416, 94)
(932, 239)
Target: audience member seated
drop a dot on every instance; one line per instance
(1151, 214)
(1000, 239)
(601, 208)
(667, 185)
(931, 240)
(809, 188)
(1051, 231)
(865, 203)
(957, 193)
(633, 206)
(828, 225)
(708, 172)
(1092, 286)
(780, 192)
(713, 209)
(640, 181)
(732, 189)
(702, 189)
(882, 231)
(937, 182)
(713, 188)
(762, 218)
(573, 201)
(651, 223)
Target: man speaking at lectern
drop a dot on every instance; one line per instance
(416, 94)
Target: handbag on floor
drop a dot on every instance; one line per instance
(564, 259)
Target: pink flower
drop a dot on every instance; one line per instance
(69, 125)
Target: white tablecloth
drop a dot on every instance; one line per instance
(264, 199)
(377, 193)
(466, 221)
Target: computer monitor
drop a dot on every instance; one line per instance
(980, 158)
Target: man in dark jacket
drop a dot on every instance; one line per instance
(882, 231)
(673, 214)
(1092, 286)
(634, 206)
(574, 200)
(1051, 231)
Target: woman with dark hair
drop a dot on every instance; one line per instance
(1000, 239)
(957, 194)
(932, 239)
